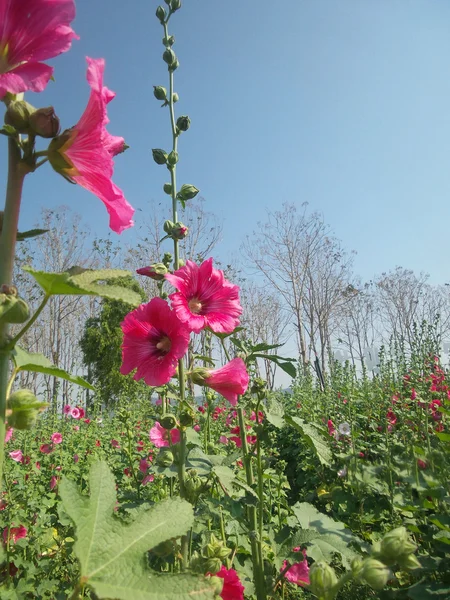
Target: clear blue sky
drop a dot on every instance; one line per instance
(341, 103)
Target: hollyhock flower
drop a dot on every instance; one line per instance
(342, 472)
(115, 444)
(421, 464)
(84, 153)
(148, 479)
(413, 394)
(205, 298)
(9, 434)
(16, 455)
(154, 340)
(13, 534)
(160, 436)
(98, 443)
(76, 458)
(331, 428)
(297, 573)
(87, 421)
(232, 586)
(143, 465)
(53, 482)
(38, 465)
(67, 409)
(75, 413)
(76, 428)
(230, 380)
(56, 438)
(251, 439)
(197, 428)
(344, 428)
(46, 448)
(201, 409)
(31, 31)
(81, 411)
(127, 472)
(391, 417)
(223, 439)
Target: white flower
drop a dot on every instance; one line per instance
(344, 428)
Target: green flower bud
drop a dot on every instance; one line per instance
(168, 188)
(160, 92)
(161, 15)
(187, 192)
(157, 271)
(168, 41)
(217, 583)
(179, 232)
(223, 552)
(13, 309)
(25, 408)
(409, 562)
(172, 159)
(164, 458)
(199, 375)
(356, 566)
(167, 258)
(394, 545)
(183, 123)
(168, 421)
(213, 565)
(18, 115)
(186, 419)
(44, 122)
(169, 56)
(159, 156)
(174, 66)
(168, 226)
(209, 551)
(374, 573)
(175, 5)
(175, 97)
(322, 578)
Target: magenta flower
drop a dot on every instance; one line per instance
(205, 298)
(9, 434)
(232, 586)
(148, 479)
(53, 482)
(154, 340)
(75, 413)
(143, 465)
(115, 444)
(85, 152)
(16, 455)
(31, 31)
(56, 438)
(14, 533)
(230, 381)
(160, 436)
(67, 409)
(297, 573)
(331, 428)
(46, 448)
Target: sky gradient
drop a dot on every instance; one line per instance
(344, 104)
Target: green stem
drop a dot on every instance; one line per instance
(8, 238)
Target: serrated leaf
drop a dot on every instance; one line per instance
(85, 282)
(38, 363)
(313, 437)
(111, 552)
(31, 233)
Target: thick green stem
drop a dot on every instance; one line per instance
(8, 237)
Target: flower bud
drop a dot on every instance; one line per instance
(186, 419)
(174, 66)
(213, 565)
(159, 156)
(160, 92)
(13, 309)
(167, 187)
(175, 5)
(216, 582)
(199, 375)
(18, 115)
(169, 421)
(374, 573)
(164, 458)
(183, 123)
(409, 562)
(169, 56)
(172, 159)
(175, 97)
(25, 408)
(187, 192)
(157, 271)
(179, 232)
(168, 41)
(161, 15)
(44, 122)
(322, 578)
(394, 545)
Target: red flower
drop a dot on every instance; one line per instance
(205, 298)
(331, 427)
(84, 153)
(232, 586)
(154, 341)
(14, 533)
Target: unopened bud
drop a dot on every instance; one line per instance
(175, 97)
(161, 13)
(174, 66)
(213, 565)
(13, 309)
(164, 458)
(168, 421)
(172, 159)
(157, 271)
(183, 123)
(159, 92)
(186, 419)
(322, 578)
(18, 115)
(199, 376)
(159, 156)
(409, 562)
(187, 192)
(374, 573)
(180, 231)
(175, 5)
(394, 545)
(25, 408)
(168, 41)
(167, 187)
(44, 122)
(169, 56)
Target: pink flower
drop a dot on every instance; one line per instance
(85, 152)
(154, 341)
(75, 413)
(230, 380)
(53, 482)
(223, 439)
(67, 409)
(16, 455)
(76, 428)
(31, 31)
(232, 586)
(147, 479)
(81, 411)
(391, 417)
(9, 434)
(205, 298)
(331, 428)
(160, 436)
(297, 573)
(76, 458)
(46, 449)
(14, 533)
(115, 444)
(56, 438)
(143, 465)
(413, 394)
(197, 428)
(421, 464)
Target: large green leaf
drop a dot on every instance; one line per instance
(38, 363)
(85, 282)
(111, 552)
(314, 439)
(26, 235)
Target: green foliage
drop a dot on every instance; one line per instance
(313, 438)
(111, 552)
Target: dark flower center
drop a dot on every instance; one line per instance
(164, 345)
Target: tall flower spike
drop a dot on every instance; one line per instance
(84, 154)
(31, 31)
(205, 298)
(154, 340)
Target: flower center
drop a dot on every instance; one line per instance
(195, 306)
(164, 345)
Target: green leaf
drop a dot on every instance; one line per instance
(284, 363)
(85, 282)
(38, 363)
(444, 437)
(31, 233)
(429, 591)
(313, 437)
(275, 413)
(111, 552)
